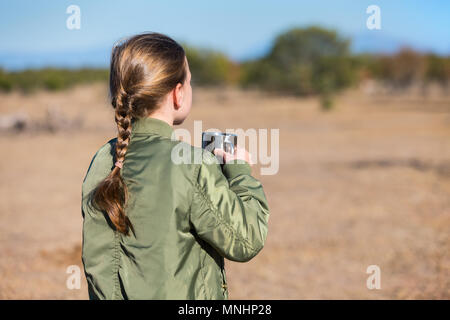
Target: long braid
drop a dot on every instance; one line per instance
(144, 69)
(114, 187)
(123, 120)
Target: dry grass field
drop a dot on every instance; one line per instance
(367, 183)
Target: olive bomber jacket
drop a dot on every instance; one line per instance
(187, 218)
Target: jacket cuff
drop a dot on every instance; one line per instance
(232, 169)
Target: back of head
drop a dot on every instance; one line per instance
(144, 69)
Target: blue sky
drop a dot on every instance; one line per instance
(34, 32)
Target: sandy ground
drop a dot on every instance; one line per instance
(365, 184)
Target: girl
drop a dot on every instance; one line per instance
(154, 229)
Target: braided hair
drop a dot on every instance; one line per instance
(144, 68)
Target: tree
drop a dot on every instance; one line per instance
(438, 70)
(209, 67)
(303, 62)
(402, 69)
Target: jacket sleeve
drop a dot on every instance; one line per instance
(229, 209)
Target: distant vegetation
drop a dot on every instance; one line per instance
(301, 61)
(211, 68)
(311, 61)
(406, 68)
(49, 78)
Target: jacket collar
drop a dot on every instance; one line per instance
(152, 126)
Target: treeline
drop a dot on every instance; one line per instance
(301, 61)
(49, 78)
(405, 69)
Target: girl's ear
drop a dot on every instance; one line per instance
(178, 96)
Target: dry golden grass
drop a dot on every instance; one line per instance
(367, 183)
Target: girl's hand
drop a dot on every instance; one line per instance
(241, 154)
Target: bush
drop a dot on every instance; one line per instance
(303, 62)
(402, 69)
(210, 67)
(438, 69)
(5, 83)
(49, 78)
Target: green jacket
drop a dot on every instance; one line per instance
(187, 217)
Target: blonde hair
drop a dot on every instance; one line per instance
(144, 68)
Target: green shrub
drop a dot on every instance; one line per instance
(303, 62)
(209, 67)
(49, 78)
(438, 69)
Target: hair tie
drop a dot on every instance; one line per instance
(119, 164)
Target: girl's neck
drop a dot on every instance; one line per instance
(162, 117)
